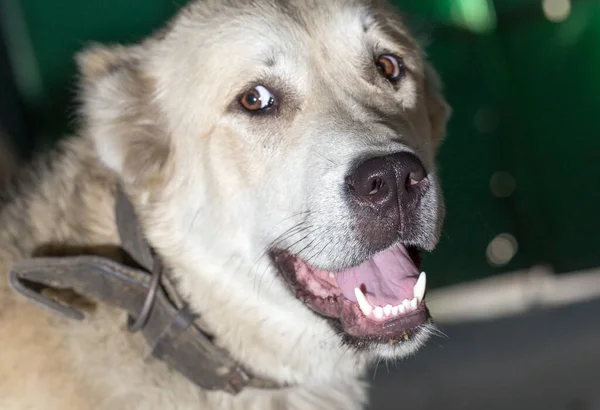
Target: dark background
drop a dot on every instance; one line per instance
(519, 169)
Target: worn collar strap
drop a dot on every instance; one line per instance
(174, 333)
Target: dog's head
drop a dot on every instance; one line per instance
(282, 157)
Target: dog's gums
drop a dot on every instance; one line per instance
(381, 299)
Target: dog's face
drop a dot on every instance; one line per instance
(282, 153)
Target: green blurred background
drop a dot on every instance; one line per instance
(523, 77)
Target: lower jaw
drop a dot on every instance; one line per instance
(347, 318)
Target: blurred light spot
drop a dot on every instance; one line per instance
(486, 120)
(475, 15)
(502, 249)
(502, 184)
(556, 10)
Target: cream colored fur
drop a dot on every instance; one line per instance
(215, 188)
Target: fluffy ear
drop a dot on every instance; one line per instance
(438, 109)
(119, 114)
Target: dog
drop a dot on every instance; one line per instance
(279, 156)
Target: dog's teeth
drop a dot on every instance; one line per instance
(331, 275)
(378, 312)
(395, 310)
(401, 308)
(413, 303)
(387, 310)
(363, 303)
(419, 288)
(406, 304)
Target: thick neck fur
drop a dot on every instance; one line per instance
(67, 201)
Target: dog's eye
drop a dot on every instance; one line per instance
(390, 66)
(257, 99)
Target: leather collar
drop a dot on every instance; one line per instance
(143, 289)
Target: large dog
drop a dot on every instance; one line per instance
(280, 159)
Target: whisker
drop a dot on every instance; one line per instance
(306, 247)
(310, 259)
(324, 157)
(306, 236)
(376, 367)
(298, 228)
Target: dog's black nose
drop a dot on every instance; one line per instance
(389, 183)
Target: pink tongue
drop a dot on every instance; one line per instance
(388, 278)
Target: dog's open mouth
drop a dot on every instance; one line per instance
(380, 300)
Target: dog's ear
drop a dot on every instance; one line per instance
(116, 97)
(438, 110)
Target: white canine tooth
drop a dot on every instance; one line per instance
(378, 312)
(406, 304)
(401, 308)
(395, 310)
(413, 304)
(419, 288)
(387, 310)
(331, 275)
(363, 303)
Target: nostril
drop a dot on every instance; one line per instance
(371, 189)
(415, 178)
(376, 185)
(369, 180)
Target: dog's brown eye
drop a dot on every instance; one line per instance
(390, 66)
(257, 99)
